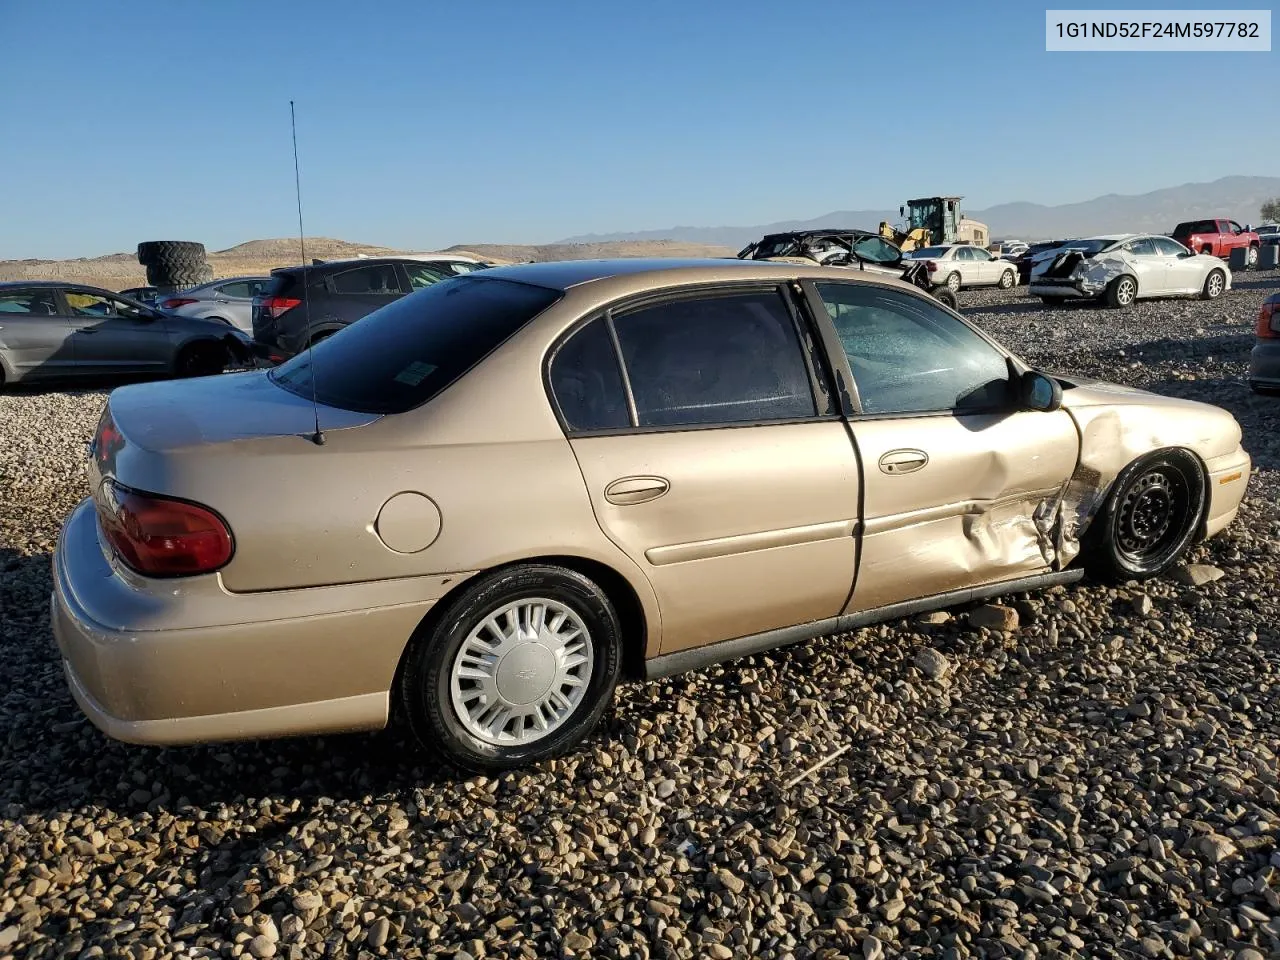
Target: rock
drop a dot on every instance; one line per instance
(261, 947)
(1196, 574)
(1215, 848)
(892, 909)
(729, 881)
(932, 664)
(9, 936)
(993, 616)
(665, 788)
(1142, 605)
(378, 932)
(934, 617)
(578, 943)
(872, 948)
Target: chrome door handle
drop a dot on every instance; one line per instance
(629, 490)
(903, 461)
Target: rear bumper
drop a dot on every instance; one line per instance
(185, 661)
(1264, 363)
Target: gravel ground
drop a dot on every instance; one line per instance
(1100, 781)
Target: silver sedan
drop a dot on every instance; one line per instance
(229, 299)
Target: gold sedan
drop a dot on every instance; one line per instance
(486, 503)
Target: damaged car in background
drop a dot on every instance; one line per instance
(528, 483)
(1122, 268)
(859, 249)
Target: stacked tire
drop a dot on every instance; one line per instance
(174, 265)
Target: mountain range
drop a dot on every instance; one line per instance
(1159, 211)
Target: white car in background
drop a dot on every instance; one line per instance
(1013, 248)
(961, 265)
(1122, 268)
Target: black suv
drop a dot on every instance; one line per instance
(337, 292)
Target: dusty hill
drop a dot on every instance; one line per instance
(116, 271)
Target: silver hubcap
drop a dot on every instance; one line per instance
(1215, 285)
(1125, 293)
(1006, 279)
(522, 673)
(1252, 256)
(953, 281)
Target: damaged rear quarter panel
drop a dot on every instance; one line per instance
(1117, 426)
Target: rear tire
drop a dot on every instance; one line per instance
(492, 686)
(1121, 292)
(1214, 284)
(1251, 258)
(1008, 280)
(1149, 519)
(946, 296)
(953, 281)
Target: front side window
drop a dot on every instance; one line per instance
(1235, 227)
(38, 302)
(877, 250)
(422, 276)
(377, 280)
(730, 358)
(587, 382)
(909, 356)
(1168, 248)
(85, 304)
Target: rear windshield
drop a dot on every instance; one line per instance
(1195, 226)
(405, 353)
(927, 253)
(1088, 247)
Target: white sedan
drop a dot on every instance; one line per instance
(1122, 268)
(960, 265)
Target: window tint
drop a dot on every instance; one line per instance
(85, 304)
(405, 353)
(715, 359)
(380, 279)
(238, 289)
(587, 383)
(1142, 248)
(423, 276)
(40, 303)
(909, 356)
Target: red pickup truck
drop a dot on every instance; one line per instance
(1218, 238)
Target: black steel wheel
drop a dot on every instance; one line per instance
(1149, 519)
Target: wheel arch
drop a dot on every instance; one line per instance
(625, 598)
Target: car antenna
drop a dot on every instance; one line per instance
(318, 437)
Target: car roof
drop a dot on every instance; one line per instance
(832, 231)
(57, 284)
(657, 272)
(362, 262)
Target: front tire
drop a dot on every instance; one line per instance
(1121, 292)
(1008, 280)
(200, 360)
(521, 668)
(1149, 519)
(1214, 284)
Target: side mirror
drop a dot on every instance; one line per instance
(1039, 392)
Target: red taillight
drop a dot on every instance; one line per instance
(108, 440)
(160, 536)
(1269, 321)
(174, 302)
(932, 266)
(274, 306)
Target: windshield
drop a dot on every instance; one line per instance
(925, 214)
(402, 355)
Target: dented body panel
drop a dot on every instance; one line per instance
(1158, 265)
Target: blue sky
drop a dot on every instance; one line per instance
(422, 124)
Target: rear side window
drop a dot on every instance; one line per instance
(402, 355)
(40, 303)
(730, 358)
(376, 280)
(239, 289)
(587, 382)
